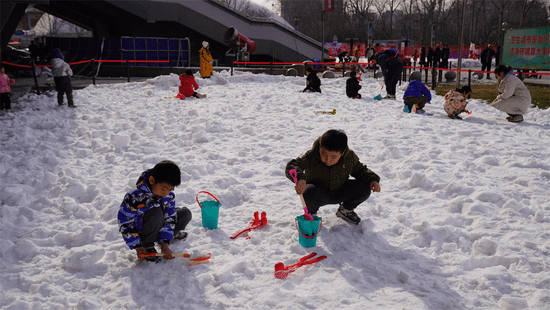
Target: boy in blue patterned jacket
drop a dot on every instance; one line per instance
(148, 213)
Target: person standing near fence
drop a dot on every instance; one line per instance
(429, 56)
(33, 49)
(436, 56)
(62, 77)
(423, 56)
(445, 55)
(206, 60)
(486, 59)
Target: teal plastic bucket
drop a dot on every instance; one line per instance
(308, 230)
(210, 210)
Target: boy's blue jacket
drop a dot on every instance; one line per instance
(417, 89)
(136, 203)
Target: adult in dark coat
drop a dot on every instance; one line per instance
(352, 86)
(423, 56)
(445, 54)
(392, 67)
(429, 56)
(436, 56)
(486, 59)
(313, 83)
(33, 49)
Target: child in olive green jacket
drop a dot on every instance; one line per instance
(323, 176)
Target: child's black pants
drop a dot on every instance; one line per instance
(350, 195)
(153, 220)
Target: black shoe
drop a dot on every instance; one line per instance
(180, 235)
(515, 118)
(155, 259)
(348, 215)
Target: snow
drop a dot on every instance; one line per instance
(462, 221)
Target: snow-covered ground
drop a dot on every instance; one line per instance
(462, 221)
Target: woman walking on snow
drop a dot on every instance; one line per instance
(514, 98)
(206, 60)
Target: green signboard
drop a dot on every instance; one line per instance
(527, 48)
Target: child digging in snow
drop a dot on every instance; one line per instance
(416, 96)
(352, 86)
(148, 213)
(188, 86)
(456, 101)
(323, 173)
(313, 83)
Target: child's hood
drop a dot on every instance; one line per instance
(144, 177)
(187, 78)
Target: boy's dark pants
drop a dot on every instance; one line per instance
(412, 100)
(350, 195)
(153, 220)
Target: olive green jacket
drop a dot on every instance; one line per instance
(311, 169)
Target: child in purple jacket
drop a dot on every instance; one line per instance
(416, 96)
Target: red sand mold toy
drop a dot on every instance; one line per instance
(256, 223)
(282, 271)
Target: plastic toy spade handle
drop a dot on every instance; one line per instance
(294, 175)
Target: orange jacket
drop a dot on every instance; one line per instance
(206, 66)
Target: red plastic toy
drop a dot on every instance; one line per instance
(256, 223)
(282, 271)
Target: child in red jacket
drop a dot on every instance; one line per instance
(188, 86)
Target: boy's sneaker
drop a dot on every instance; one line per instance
(516, 119)
(420, 111)
(155, 259)
(348, 215)
(180, 235)
(406, 109)
(389, 97)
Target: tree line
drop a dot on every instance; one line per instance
(416, 19)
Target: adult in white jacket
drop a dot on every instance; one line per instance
(61, 76)
(514, 98)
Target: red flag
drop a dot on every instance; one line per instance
(329, 5)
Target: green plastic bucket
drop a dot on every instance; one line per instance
(308, 230)
(210, 210)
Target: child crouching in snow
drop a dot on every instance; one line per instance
(352, 86)
(455, 101)
(323, 174)
(148, 213)
(188, 86)
(416, 96)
